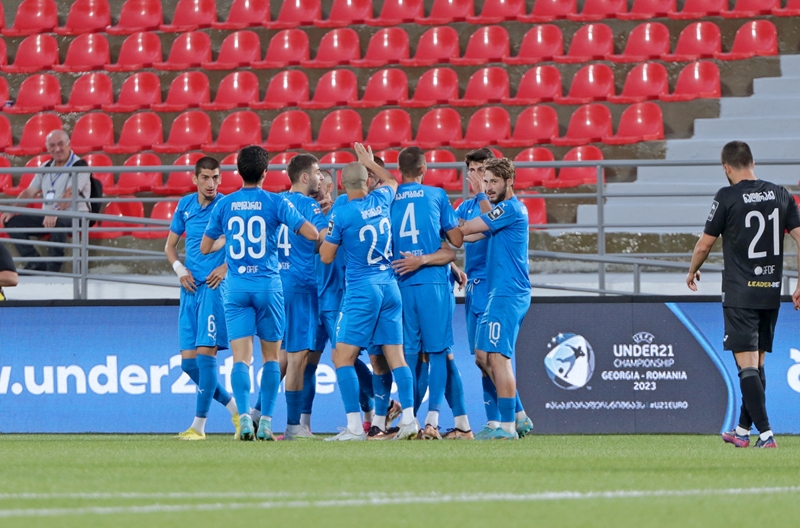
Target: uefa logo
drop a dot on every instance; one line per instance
(570, 362)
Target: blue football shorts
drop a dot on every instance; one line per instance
(475, 300)
(499, 326)
(427, 318)
(201, 318)
(371, 314)
(300, 322)
(326, 329)
(255, 313)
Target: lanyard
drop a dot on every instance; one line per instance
(53, 181)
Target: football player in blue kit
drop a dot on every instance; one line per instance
(201, 318)
(477, 294)
(372, 308)
(509, 287)
(250, 219)
(421, 217)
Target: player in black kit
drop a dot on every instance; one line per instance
(751, 216)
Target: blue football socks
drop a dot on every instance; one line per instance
(421, 379)
(189, 366)
(490, 400)
(240, 382)
(270, 382)
(405, 386)
(437, 380)
(382, 385)
(366, 391)
(309, 388)
(207, 367)
(294, 402)
(506, 407)
(455, 389)
(348, 386)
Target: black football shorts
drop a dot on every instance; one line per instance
(748, 330)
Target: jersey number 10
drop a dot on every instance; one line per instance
(776, 239)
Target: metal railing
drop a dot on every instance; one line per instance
(81, 248)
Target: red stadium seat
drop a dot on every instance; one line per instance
(3, 54)
(389, 128)
(134, 182)
(439, 44)
(6, 139)
(35, 53)
(535, 125)
(289, 129)
(295, 13)
(139, 132)
(190, 89)
(33, 16)
(92, 132)
(593, 82)
(38, 92)
(138, 15)
(339, 129)
(388, 156)
(100, 160)
(589, 123)
(639, 122)
(647, 9)
(792, 9)
(237, 130)
(435, 86)
(34, 133)
(487, 85)
(488, 44)
(192, 14)
(645, 81)
(590, 42)
(753, 39)
(188, 131)
(189, 50)
(334, 88)
(387, 46)
(86, 16)
(239, 50)
(599, 9)
(395, 12)
(444, 12)
(533, 177)
(697, 40)
(236, 90)
(385, 87)
(647, 41)
(26, 179)
(575, 176)
(539, 84)
(696, 80)
(338, 46)
(549, 10)
(89, 92)
(277, 180)
(288, 47)
(231, 181)
(537, 209)
(751, 8)
(180, 182)
(126, 209)
(288, 88)
(139, 51)
(540, 43)
(700, 9)
(346, 13)
(441, 177)
(87, 52)
(245, 13)
(161, 211)
(139, 92)
(437, 128)
(496, 11)
(339, 157)
(487, 126)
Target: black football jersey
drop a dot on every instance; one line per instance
(752, 217)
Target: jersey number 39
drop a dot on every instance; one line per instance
(256, 244)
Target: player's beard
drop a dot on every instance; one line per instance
(500, 196)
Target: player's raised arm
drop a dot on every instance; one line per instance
(366, 158)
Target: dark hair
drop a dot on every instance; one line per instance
(252, 162)
(500, 167)
(205, 163)
(300, 164)
(410, 161)
(737, 154)
(379, 161)
(479, 155)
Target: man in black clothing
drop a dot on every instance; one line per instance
(751, 216)
(8, 273)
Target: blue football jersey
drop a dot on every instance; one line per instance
(507, 263)
(191, 218)
(363, 229)
(330, 277)
(250, 219)
(295, 252)
(475, 258)
(420, 216)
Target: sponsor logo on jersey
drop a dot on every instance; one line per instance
(764, 270)
(245, 206)
(758, 197)
(762, 284)
(496, 213)
(371, 213)
(570, 362)
(714, 207)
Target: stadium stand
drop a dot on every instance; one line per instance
(86, 16)
(486, 127)
(345, 13)
(34, 53)
(287, 88)
(697, 40)
(189, 50)
(237, 130)
(593, 82)
(34, 132)
(236, 90)
(534, 177)
(437, 128)
(38, 92)
(646, 41)
(239, 50)
(136, 16)
(87, 52)
(389, 128)
(339, 129)
(136, 182)
(385, 87)
(32, 17)
(487, 85)
(395, 12)
(447, 11)
(535, 125)
(278, 180)
(387, 46)
(290, 129)
(588, 124)
(594, 10)
(438, 44)
(337, 47)
(187, 90)
(191, 15)
(188, 131)
(295, 13)
(179, 182)
(161, 211)
(140, 132)
(138, 51)
(648, 80)
(140, 91)
(487, 44)
(287, 48)
(89, 92)
(539, 84)
(92, 132)
(435, 86)
(334, 88)
(245, 13)
(540, 43)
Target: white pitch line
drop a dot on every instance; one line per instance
(379, 499)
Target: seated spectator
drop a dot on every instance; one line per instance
(8, 273)
(56, 188)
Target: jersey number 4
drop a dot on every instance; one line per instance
(256, 236)
(751, 251)
(386, 229)
(283, 240)
(408, 227)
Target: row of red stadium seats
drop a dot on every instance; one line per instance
(593, 82)
(39, 16)
(650, 40)
(392, 127)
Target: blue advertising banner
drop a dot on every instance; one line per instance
(116, 369)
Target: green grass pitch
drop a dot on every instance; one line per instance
(615, 481)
